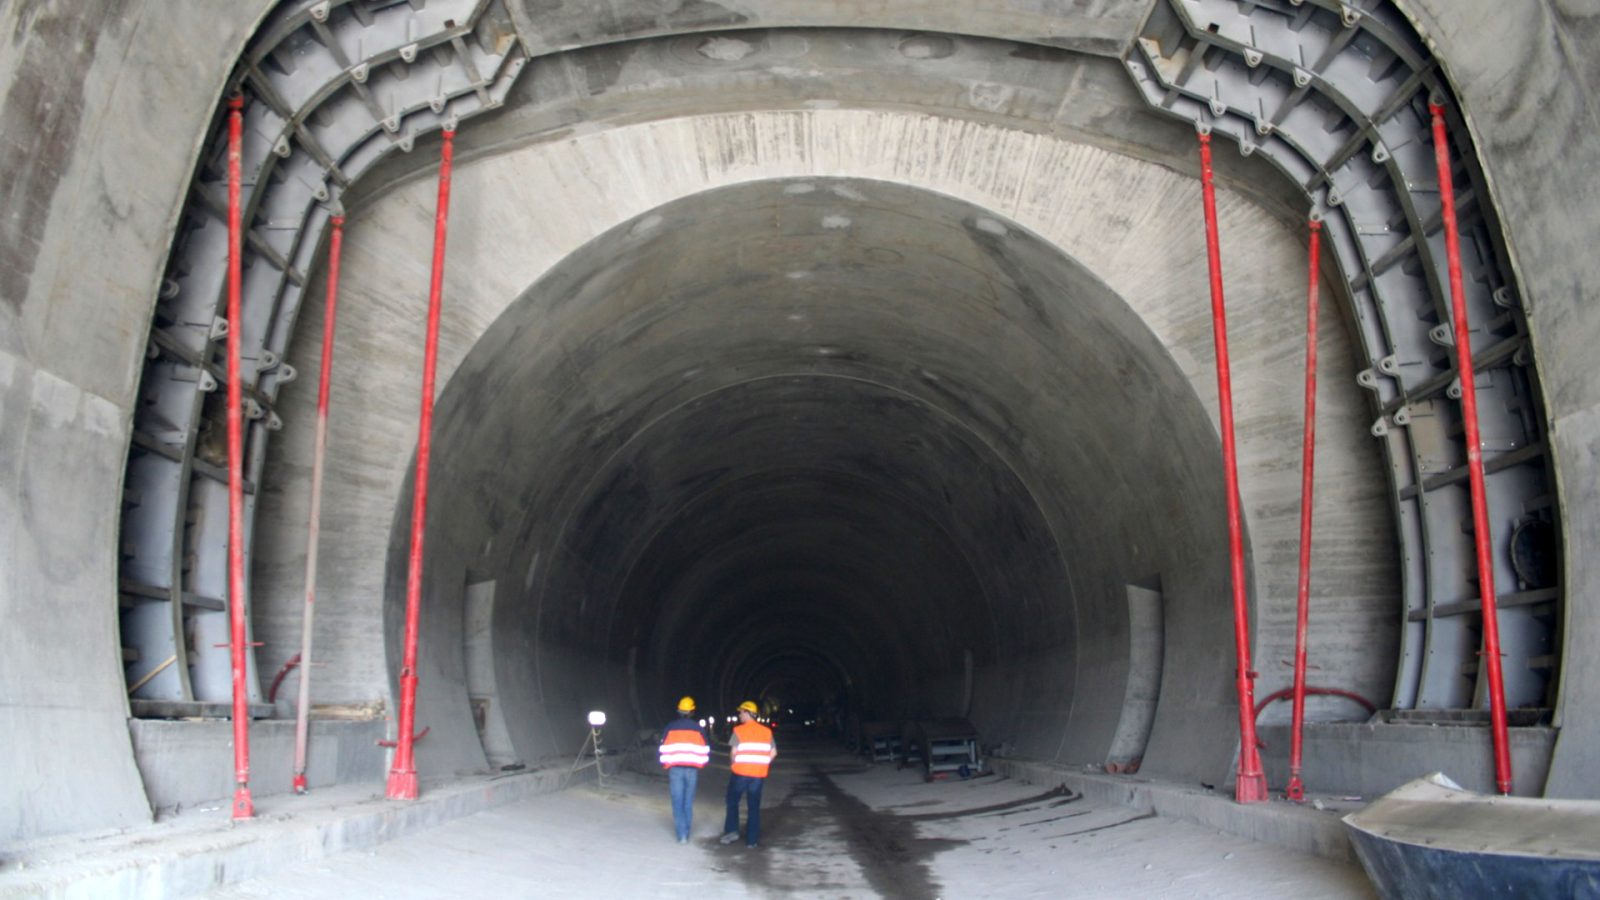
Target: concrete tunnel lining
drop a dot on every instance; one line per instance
(737, 164)
(635, 167)
(77, 410)
(84, 389)
(897, 337)
(382, 420)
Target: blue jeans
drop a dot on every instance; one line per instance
(682, 780)
(744, 786)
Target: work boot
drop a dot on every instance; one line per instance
(730, 837)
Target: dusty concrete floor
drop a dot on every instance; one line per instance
(832, 827)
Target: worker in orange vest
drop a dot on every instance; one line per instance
(753, 752)
(684, 750)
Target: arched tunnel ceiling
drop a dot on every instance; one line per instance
(816, 413)
(537, 195)
(528, 161)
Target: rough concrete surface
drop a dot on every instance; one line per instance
(101, 118)
(196, 849)
(1037, 181)
(831, 827)
(104, 110)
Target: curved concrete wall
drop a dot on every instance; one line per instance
(91, 219)
(820, 414)
(103, 124)
(536, 203)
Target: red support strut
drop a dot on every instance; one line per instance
(314, 530)
(243, 808)
(1469, 412)
(1296, 790)
(403, 771)
(1251, 784)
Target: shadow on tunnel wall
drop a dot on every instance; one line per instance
(828, 426)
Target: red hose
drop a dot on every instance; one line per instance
(1275, 696)
(277, 680)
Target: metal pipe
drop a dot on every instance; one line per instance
(403, 772)
(1313, 690)
(277, 680)
(1251, 783)
(1296, 790)
(243, 808)
(1469, 412)
(302, 723)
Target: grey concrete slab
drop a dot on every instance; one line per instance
(178, 759)
(1369, 760)
(1312, 829)
(66, 752)
(830, 828)
(1097, 26)
(107, 106)
(200, 849)
(1577, 755)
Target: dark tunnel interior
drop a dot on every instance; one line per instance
(823, 439)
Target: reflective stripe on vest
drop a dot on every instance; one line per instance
(753, 754)
(683, 747)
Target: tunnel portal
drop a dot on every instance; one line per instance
(824, 428)
(826, 353)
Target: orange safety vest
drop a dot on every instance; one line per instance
(684, 747)
(753, 749)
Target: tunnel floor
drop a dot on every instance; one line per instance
(832, 827)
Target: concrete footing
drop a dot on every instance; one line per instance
(1295, 826)
(1372, 759)
(200, 849)
(178, 758)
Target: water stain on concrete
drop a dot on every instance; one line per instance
(45, 102)
(891, 855)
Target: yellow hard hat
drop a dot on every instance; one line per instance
(750, 707)
(686, 704)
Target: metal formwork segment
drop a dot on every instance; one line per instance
(331, 87)
(1334, 95)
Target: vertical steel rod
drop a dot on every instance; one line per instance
(403, 772)
(302, 724)
(1251, 784)
(1469, 412)
(1296, 790)
(243, 808)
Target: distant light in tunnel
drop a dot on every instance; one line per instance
(597, 719)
